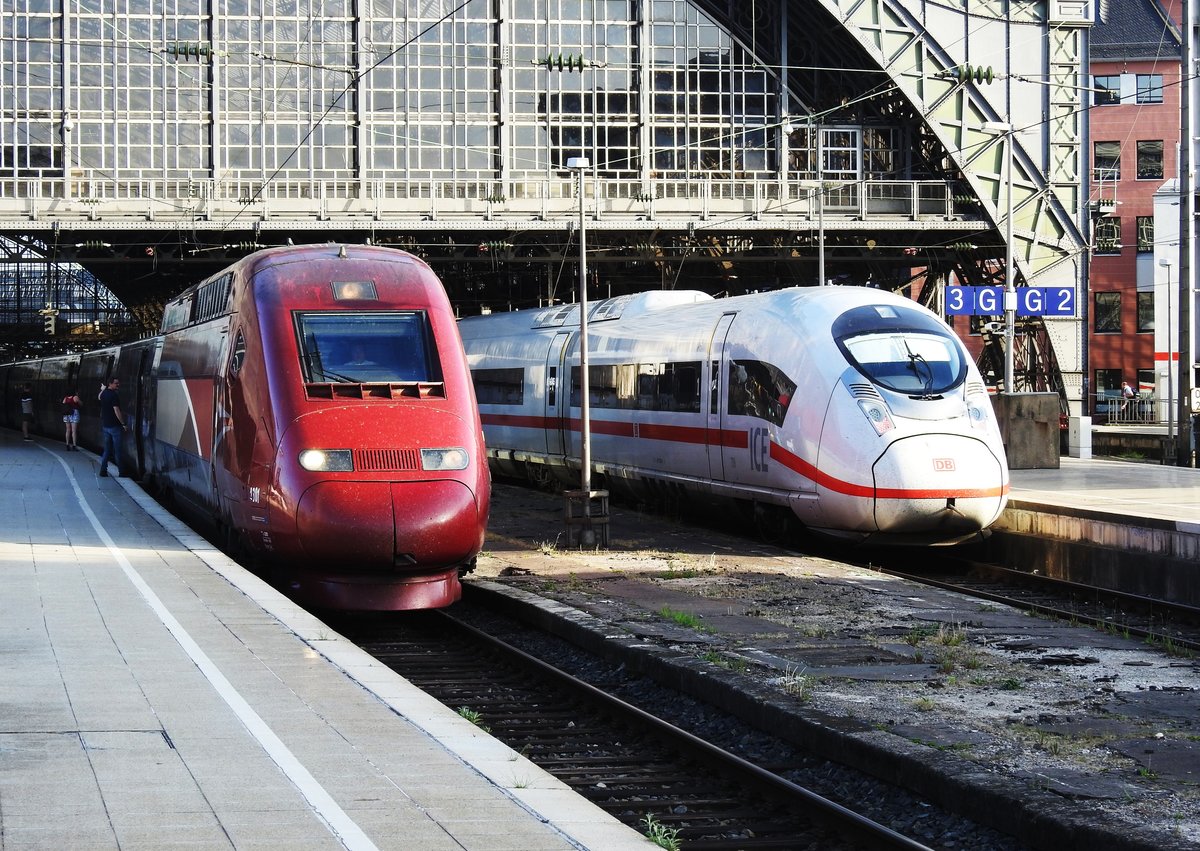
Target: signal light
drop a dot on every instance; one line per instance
(49, 314)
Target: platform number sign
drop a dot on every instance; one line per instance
(1031, 301)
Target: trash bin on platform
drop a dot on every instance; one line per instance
(1079, 437)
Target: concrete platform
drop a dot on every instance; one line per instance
(1121, 488)
(153, 693)
(1125, 525)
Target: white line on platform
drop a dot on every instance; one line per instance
(339, 823)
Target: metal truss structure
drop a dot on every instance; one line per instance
(737, 145)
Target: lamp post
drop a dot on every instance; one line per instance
(1166, 264)
(820, 144)
(1005, 130)
(587, 537)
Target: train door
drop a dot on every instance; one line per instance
(558, 397)
(218, 359)
(714, 410)
(141, 390)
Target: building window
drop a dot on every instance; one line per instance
(1108, 380)
(1106, 161)
(1150, 160)
(1108, 235)
(1145, 234)
(1107, 313)
(1145, 312)
(1106, 91)
(1149, 88)
(1145, 383)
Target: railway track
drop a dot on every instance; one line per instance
(649, 774)
(1173, 626)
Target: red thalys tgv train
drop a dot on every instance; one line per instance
(854, 411)
(314, 405)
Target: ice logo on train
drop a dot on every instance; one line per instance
(855, 412)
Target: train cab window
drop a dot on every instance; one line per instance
(759, 389)
(901, 349)
(367, 347)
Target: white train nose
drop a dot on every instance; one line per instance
(938, 483)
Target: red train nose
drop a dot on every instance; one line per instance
(377, 524)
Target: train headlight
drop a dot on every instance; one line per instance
(327, 460)
(453, 458)
(877, 414)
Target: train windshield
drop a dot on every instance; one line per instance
(902, 349)
(367, 347)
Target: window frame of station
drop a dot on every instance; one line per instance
(1149, 161)
(1108, 381)
(1106, 89)
(1149, 88)
(1146, 378)
(1106, 307)
(1106, 235)
(1145, 234)
(1145, 312)
(1106, 166)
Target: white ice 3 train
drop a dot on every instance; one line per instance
(855, 411)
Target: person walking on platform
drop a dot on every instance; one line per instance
(26, 410)
(112, 423)
(70, 411)
(1128, 396)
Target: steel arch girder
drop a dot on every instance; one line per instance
(1047, 234)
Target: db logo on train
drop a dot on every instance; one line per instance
(943, 465)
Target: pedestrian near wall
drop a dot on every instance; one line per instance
(112, 424)
(70, 414)
(1128, 396)
(26, 410)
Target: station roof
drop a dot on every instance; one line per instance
(1133, 30)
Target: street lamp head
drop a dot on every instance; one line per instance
(996, 127)
(1165, 263)
(578, 163)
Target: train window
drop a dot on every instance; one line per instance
(499, 386)
(367, 347)
(177, 314)
(902, 349)
(759, 389)
(669, 387)
(644, 387)
(609, 386)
